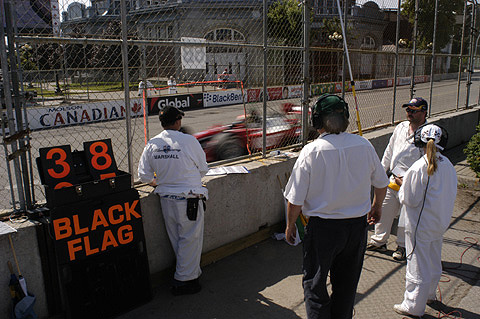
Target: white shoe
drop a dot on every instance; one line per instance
(400, 309)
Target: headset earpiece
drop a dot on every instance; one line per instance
(317, 111)
(417, 139)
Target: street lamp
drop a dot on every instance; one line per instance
(334, 38)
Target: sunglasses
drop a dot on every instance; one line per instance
(412, 111)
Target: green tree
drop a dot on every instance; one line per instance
(27, 57)
(285, 22)
(447, 9)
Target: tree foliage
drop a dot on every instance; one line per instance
(472, 150)
(447, 10)
(285, 22)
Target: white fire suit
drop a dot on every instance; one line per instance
(400, 154)
(176, 161)
(428, 205)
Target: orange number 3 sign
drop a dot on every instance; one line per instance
(57, 165)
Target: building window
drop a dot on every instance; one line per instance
(368, 43)
(224, 35)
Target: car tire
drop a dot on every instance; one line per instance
(228, 146)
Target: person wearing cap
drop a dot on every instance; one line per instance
(399, 155)
(174, 163)
(331, 185)
(427, 194)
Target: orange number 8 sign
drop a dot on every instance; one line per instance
(102, 154)
(60, 162)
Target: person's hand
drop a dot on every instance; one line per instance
(290, 234)
(153, 183)
(398, 180)
(374, 215)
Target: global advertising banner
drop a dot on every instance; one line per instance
(186, 101)
(60, 116)
(222, 98)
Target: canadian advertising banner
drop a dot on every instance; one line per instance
(66, 115)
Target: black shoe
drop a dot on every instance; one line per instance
(185, 287)
(373, 247)
(399, 254)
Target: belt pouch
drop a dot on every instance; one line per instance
(192, 208)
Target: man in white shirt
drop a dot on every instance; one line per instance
(399, 155)
(330, 184)
(174, 163)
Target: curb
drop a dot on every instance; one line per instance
(468, 182)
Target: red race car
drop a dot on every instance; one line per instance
(236, 139)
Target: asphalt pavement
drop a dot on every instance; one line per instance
(264, 280)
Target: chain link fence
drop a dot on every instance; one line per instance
(77, 71)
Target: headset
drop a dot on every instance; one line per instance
(318, 111)
(417, 140)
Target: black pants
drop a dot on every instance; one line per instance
(336, 246)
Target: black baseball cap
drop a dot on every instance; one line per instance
(170, 114)
(417, 103)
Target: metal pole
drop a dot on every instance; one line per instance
(126, 81)
(470, 53)
(25, 190)
(476, 47)
(395, 71)
(143, 73)
(461, 53)
(344, 55)
(265, 92)
(432, 69)
(8, 121)
(306, 70)
(414, 57)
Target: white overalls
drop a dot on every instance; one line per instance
(176, 161)
(427, 216)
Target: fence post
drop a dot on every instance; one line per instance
(414, 57)
(432, 69)
(265, 92)
(306, 70)
(126, 80)
(24, 192)
(143, 76)
(344, 56)
(461, 53)
(8, 122)
(395, 71)
(470, 53)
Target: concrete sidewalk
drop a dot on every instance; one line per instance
(264, 280)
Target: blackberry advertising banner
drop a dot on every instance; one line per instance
(186, 101)
(223, 98)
